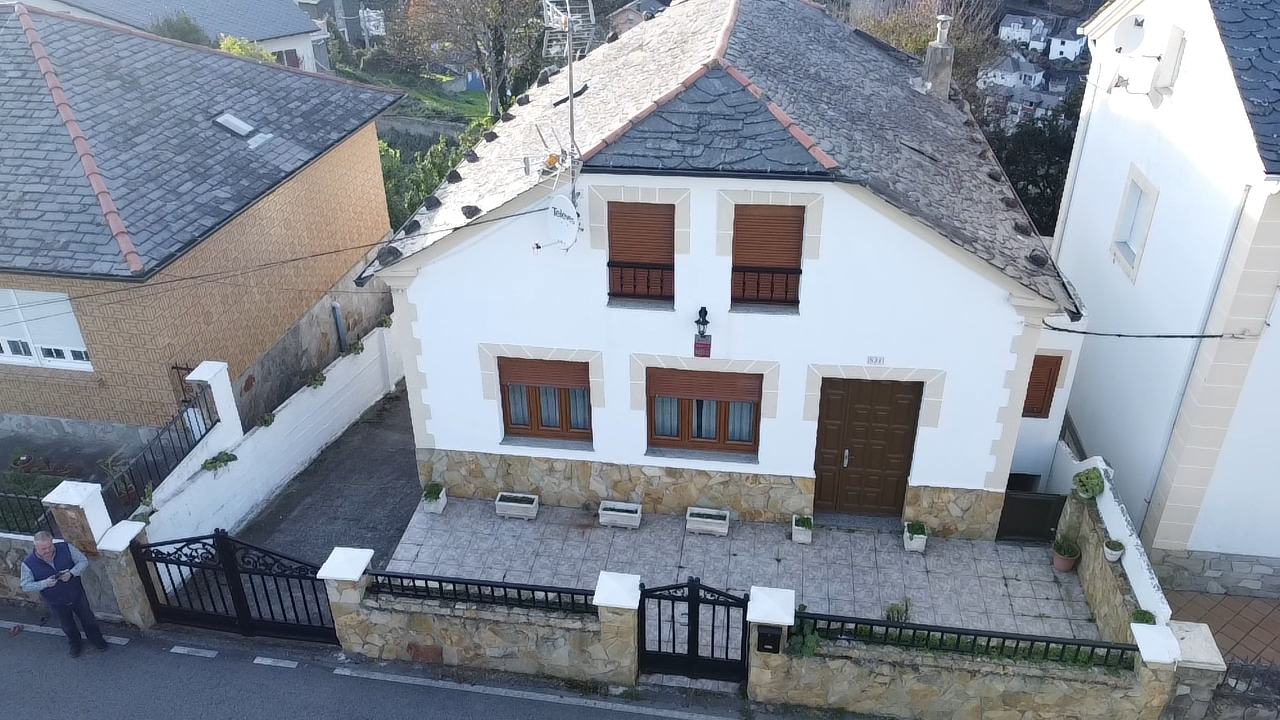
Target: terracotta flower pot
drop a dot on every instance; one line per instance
(1063, 564)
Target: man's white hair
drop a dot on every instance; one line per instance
(42, 537)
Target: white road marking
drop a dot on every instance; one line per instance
(275, 663)
(42, 630)
(526, 695)
(198, 652)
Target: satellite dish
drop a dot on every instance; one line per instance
(562, 221)
(1129, 34)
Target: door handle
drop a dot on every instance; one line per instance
(846, 457)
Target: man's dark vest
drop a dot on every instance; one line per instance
(64, 593)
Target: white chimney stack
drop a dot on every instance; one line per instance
(938, 61)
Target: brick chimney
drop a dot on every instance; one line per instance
(938, 61)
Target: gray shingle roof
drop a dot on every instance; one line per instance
(851, 95)
(1250, 31)
(245, 19)
(145, 107)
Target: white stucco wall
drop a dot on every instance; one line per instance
(1038, 437)
(1198, 151)
(875, 290)
(298, 43)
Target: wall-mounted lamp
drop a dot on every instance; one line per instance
(702, 322)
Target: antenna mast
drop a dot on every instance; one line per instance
(571, 23)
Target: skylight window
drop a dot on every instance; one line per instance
(234, 124)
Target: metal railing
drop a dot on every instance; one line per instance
(1252, 681)
(638, 280)
(123, 492)
(542, 597)
(777, 286)
(983, 643)
(26, 515)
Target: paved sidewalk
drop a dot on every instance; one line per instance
(956, 583)
(1245, 628)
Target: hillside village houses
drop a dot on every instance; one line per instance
(772, 303)
(1171, 228)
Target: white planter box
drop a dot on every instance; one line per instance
(713, 522)
(437, 506)
(799, 534)
(619, 514)
(913, 543)
(524, 511)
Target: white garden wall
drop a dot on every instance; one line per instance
(269, 457)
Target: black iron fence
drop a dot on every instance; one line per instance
(124, 491)
(425, 587)
(1255, 682)
(983, 643)
(26, 515)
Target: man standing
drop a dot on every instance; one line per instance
(54, 570)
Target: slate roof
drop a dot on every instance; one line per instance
(245, 19)
(1250, 31)
(846, 99)
(145, 107)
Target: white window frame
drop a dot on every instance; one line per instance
(19, 333)
(1133, 222)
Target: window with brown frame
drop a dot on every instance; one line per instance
(642, 250)
(1041, 386)
(713, 411)
(545, 398)
(767, 245)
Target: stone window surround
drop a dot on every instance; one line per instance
(727, 199)
(490, 352)
(599, 197)
(930, 404)
(641, 362)
(1135, 177)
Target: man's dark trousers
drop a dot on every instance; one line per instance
(66, 618)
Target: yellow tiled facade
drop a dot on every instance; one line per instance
(229, 298)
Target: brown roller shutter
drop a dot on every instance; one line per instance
(642, 233)
(543, 373)
(768, 236)
(1041, 386)
(730, 387)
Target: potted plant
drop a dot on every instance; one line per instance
(516, 505)
(1088, 483)
(22, 460)
(708, 521)
(914, 536)
(1113, 549)
(434, 498)
(614, 513)
(1143, 617)
(1065, 554)
(802, 529)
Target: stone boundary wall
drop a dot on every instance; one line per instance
(581, 483)
(922, 685)
(1217, 573)
(1106, 587)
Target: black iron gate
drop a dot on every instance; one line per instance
(218, 582)
(693, 630)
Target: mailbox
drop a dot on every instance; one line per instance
(769, 639)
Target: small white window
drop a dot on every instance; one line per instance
(20, 348)
(1136, 210)
(40, 329)
(80, 355)
(53, 353)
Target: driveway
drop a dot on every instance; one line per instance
(360, 492)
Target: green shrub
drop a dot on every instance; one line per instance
(917, 528)
(1143, 617)
(432, 492)
(219, 461)
(1067, 548)
(804, 522)
(1089, 483)
(267, 419)
(317, 381)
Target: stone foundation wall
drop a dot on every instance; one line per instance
(952, 512)
(1218, 573)
(921, 685)
(1106, 587)
(577, 483)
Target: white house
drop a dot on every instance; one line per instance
(872, 294)
(1022, 29)
(1012, 71)
(279, 26)
(1171, 231)
(1066, 47)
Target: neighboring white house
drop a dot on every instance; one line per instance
(1171, 226)
(1066, 47)
(1025, 30)
(1012, 71)
(873, 293)
(279, 26)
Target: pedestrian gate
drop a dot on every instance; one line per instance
(693, 630)
(218, 582)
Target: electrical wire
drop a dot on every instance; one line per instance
(1147, 336)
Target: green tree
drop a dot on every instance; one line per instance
(1036, 156)
(410, 177)
(179, 26)
(246, 49)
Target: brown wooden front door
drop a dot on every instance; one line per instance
(866, 437)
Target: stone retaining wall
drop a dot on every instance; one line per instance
(921, 685)
(577, 483)
(1106, 587)
(1218, 573)
(953, 512)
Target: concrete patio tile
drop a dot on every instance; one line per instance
(1030, 625)
(915, 581)
(1078, 611)
(1020, 588)
(840, 590)
(842, 606)
(1058, 628)
(914, 562)
(950, 617)
(969, 585)
(976, 621)
(400, 566)
(1083, 630)
(568, 566)
(1025, 607)
(942, 585)
(544, 564)
(1046, 590)
(985, 551)
(863, 560)
(998, 605)
(1042, 572)
(989, 569)
(1039, 555)
(1053, 608)
(1016, 571)
(405, 551)
(1072, 592)
(1003, 623)
(1010, 553)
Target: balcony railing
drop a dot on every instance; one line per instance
(776, 286)
(638, 280)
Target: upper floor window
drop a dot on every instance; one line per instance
(767, 245)
(1041, 386)
(545, 398)
(713, 411)
(642, 250)
(1136, 210)
(40, 329)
